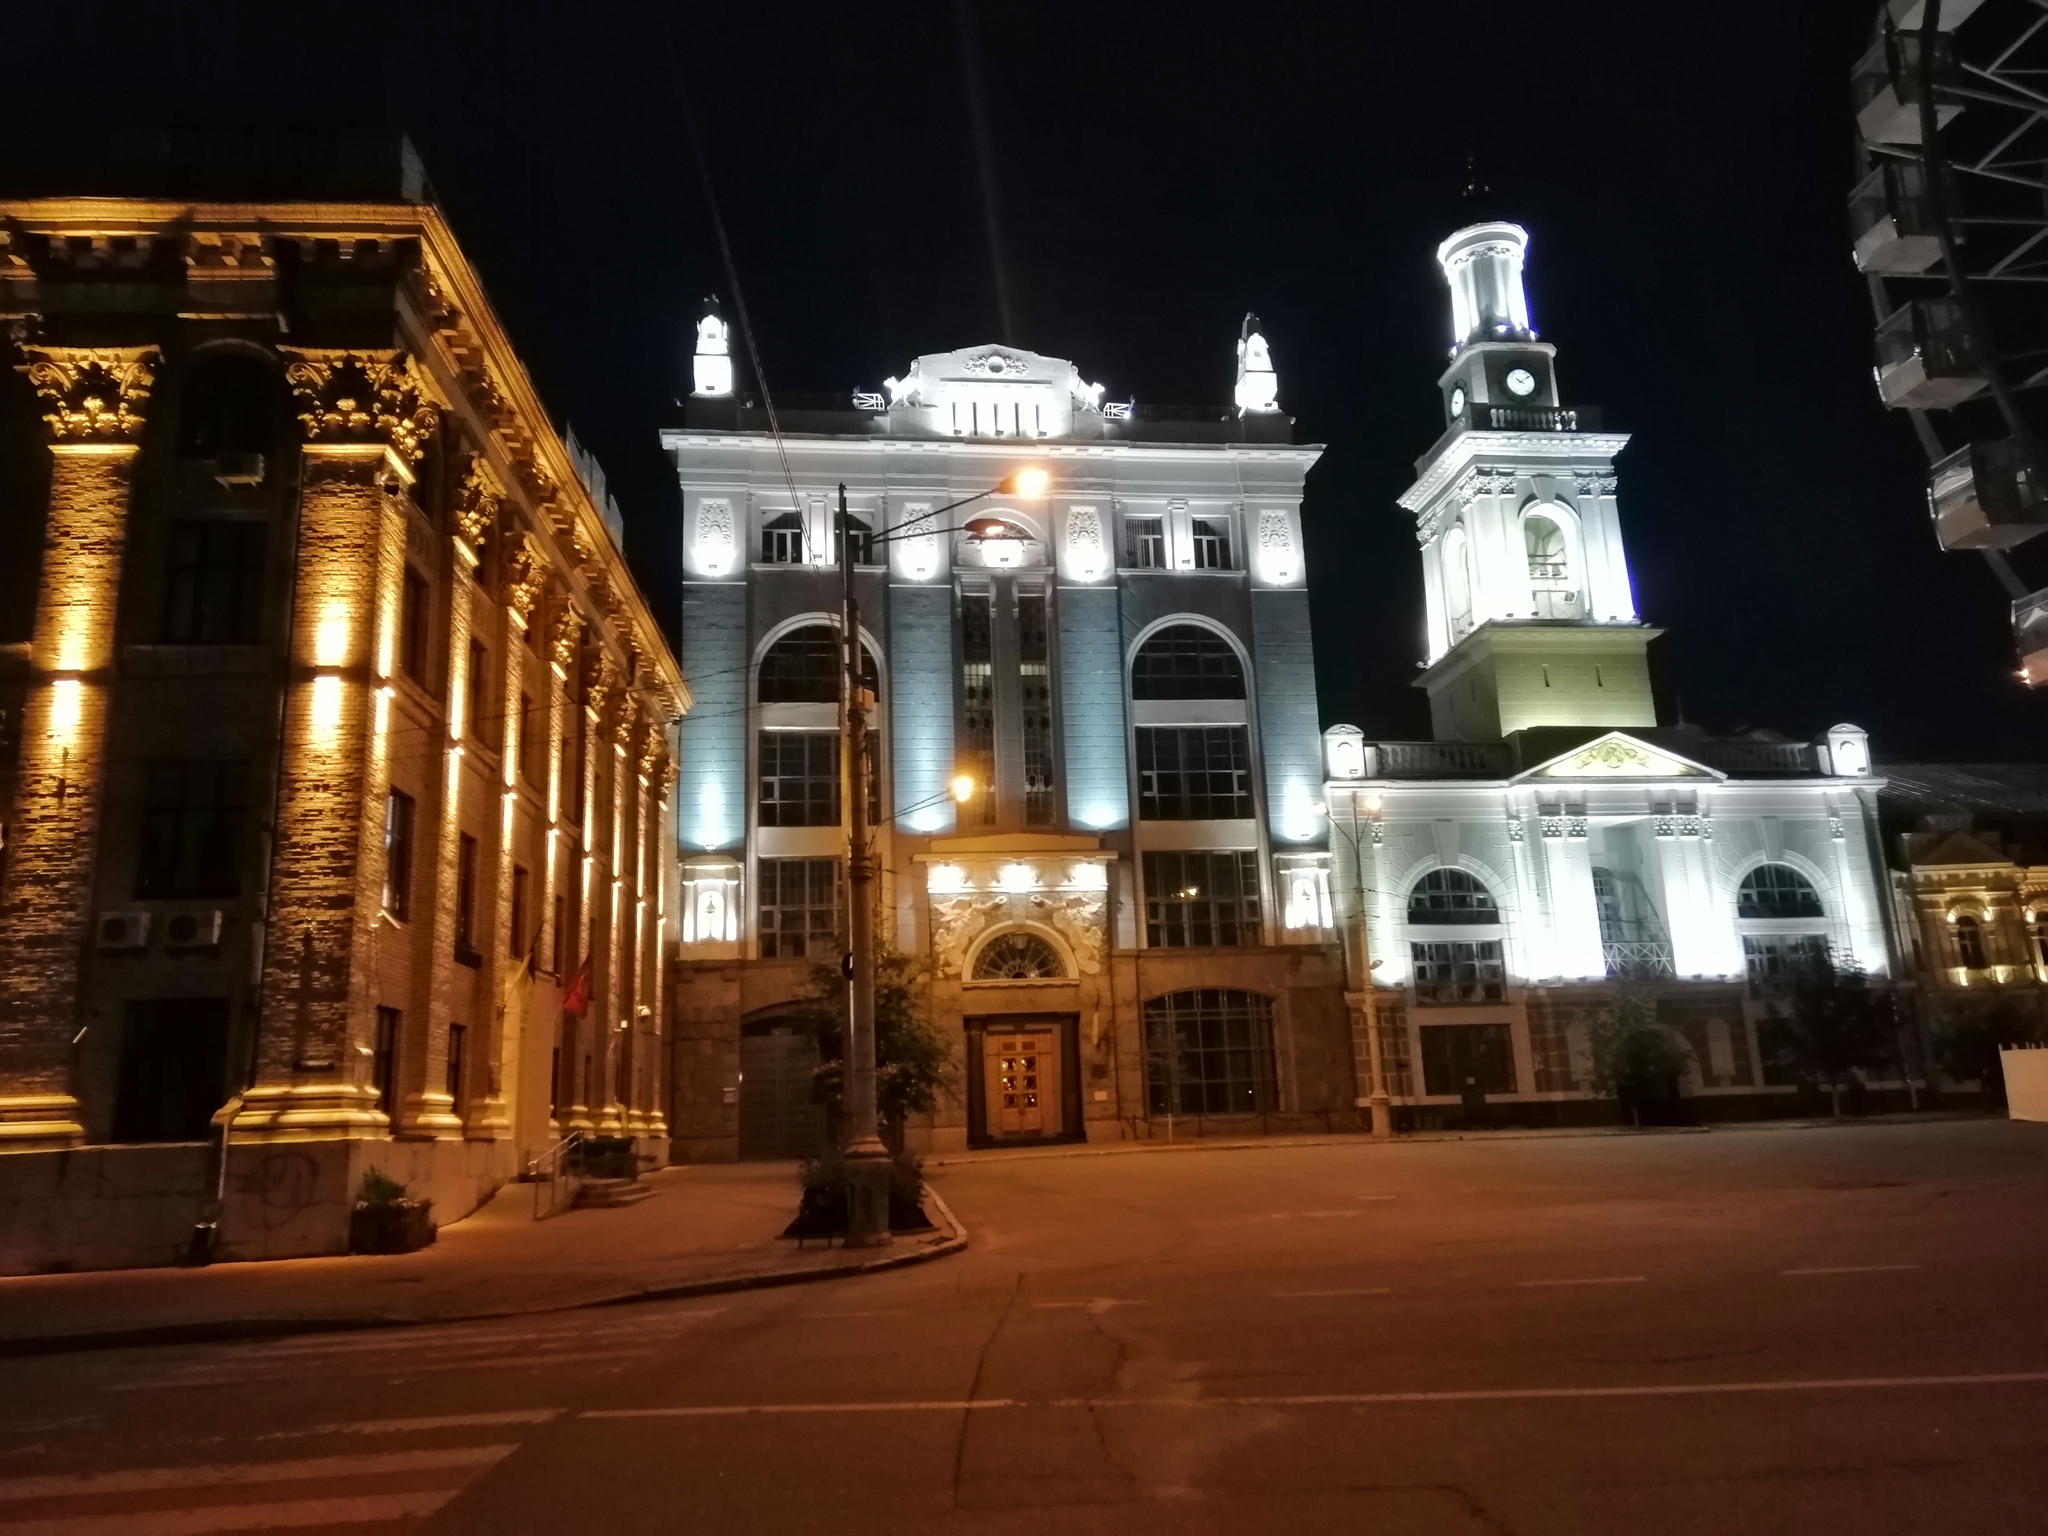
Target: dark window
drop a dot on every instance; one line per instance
(1776, 890)
(458, 1037)
(412, 626)
(799, 779)
(384, 1061)
(1194, 772)
(1187, 661)
(479, 670)
(1145, 543)
(1034, 663)
(977, 754)
(1458, 1057)
(803, 667)
(229, 405)
(863, 551)
(782, 540)
(555, 1083)
(527, 744)
(173, 1070)
(214, 587)
(398, 814)
(465, 901)
(519, 940)
(800, 909)
(1201, 899)
(1459, 971)
(1452, 896)
(1212, 545)
(1209, 1052)
(191, 830)
(1775, 961)
(561, 933)
(1970, 943)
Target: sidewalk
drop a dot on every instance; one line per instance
(709, 1227)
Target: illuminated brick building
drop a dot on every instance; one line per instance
(330, 703)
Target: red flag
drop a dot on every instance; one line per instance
(577, 998)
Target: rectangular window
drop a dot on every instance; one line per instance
(1209, 1052)
(214, 594)
(412, 627)
(1775, 961)
(1459, 971)
(384, 1061)
(1194, 773)
(555, 1084)
(799, 779)
(458, 1038)
(1145, 543)
(782, 540)
(582, 760)
(527, 744)
(519, 941)
(192, 830)
(1462, 1058)
(977, 754)
(1212, 544)
(561, 934)
(398, 814)
(479, 666)
(800, 909)
(1034, 662)
(1201, 899)
(465, 901)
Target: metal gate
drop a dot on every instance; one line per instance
(777, 1115)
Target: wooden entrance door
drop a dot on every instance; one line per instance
(1021, 1078)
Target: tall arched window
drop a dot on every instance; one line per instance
(1970, 943)
(1187, 661)
(1451, 896)
(1550, 568)
(803, 668)
(1777, 891)
(1457, 574)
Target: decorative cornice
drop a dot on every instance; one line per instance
(361, 397)
(92, 394)
(1529, 449)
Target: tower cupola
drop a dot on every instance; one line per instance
(1483, 265)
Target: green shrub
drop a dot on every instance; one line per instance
(379, 1188)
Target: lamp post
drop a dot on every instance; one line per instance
(1379, 1100)
(867, 1197)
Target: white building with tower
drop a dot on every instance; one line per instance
(1554, 839)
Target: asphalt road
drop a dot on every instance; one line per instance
(1794, 1330)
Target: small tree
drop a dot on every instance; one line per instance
(1969, 1030)
(1831, 1023)
(913, 1059)
(1636, 1060)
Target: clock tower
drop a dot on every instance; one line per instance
(1531, 618)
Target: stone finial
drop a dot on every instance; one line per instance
(92, 394)
(361, 397)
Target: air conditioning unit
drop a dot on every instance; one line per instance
(239, 469)
(193, 930)
(124, 930)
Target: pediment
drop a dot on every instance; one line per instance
(1618, 755)
(1962, 848)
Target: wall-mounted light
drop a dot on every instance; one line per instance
(67, 704)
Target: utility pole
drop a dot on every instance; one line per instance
(867, 1160)
(1381, 1102)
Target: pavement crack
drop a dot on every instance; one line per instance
(1487, 1519)
(974, 1384)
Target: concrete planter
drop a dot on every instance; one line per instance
(397, 1227)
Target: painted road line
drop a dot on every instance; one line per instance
(1371, 1290)
(293, 1514)
(1851, 1269)
(833, 1317)
(718, 1411)
(1588, 1280)
(421, 1426)
(1095, 1306)
(1344, 1399)
(394, 1369)
(152, 1479)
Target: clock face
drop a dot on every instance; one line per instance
(1457, 400)
(1521, 382)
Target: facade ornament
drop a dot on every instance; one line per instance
(653, 747)
(566, 636)
(526, 573)
(600, 685)
(92, 394)
(361, 397)
(476, 503)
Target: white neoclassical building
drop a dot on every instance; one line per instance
(1553, 839)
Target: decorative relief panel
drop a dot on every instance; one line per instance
(967, 901)
(1084, 542)
(717, 542)
(1276, 545)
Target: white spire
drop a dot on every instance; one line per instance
(711, 368)
(1258, 387)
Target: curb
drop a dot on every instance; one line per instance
(254, 1329)
(1280, 1144)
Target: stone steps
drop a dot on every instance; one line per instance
(605, 1193)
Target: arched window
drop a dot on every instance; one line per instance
(1209, 1052)
(1457, 574)
(1187, 661)
(782, 540)
(803, 668)
(1777, 891)
(1970, 943)
(1018, 957)
(1550, 568)
(230, 405)
(1450, 896)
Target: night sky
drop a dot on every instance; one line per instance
(1155, 172)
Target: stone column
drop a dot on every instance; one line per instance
(646, 753)
(93, 399)
(364, 421)
(562, 644)
(665, 872)
(617, 990)
(592, 1027)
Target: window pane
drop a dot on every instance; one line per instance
(214, 591)
(1459, 971)
(799, 907)
(1194, 773)
(1201, 899)
(1453, 896)
(799, 779)
(1186, 661)
(191, 830)
(977, 752)
(1776, 890)
(1034, 663)
(1209, 1052)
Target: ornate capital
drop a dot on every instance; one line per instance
(653, 746)
(567, 634)
(361, 397)
(526, 573)
(92, 394)
(602, 683)
(476, 503)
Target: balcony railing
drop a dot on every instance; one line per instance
(1535, 418)
(1638, 959)
(1431, 759)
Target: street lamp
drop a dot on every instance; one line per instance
(867, 1160)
